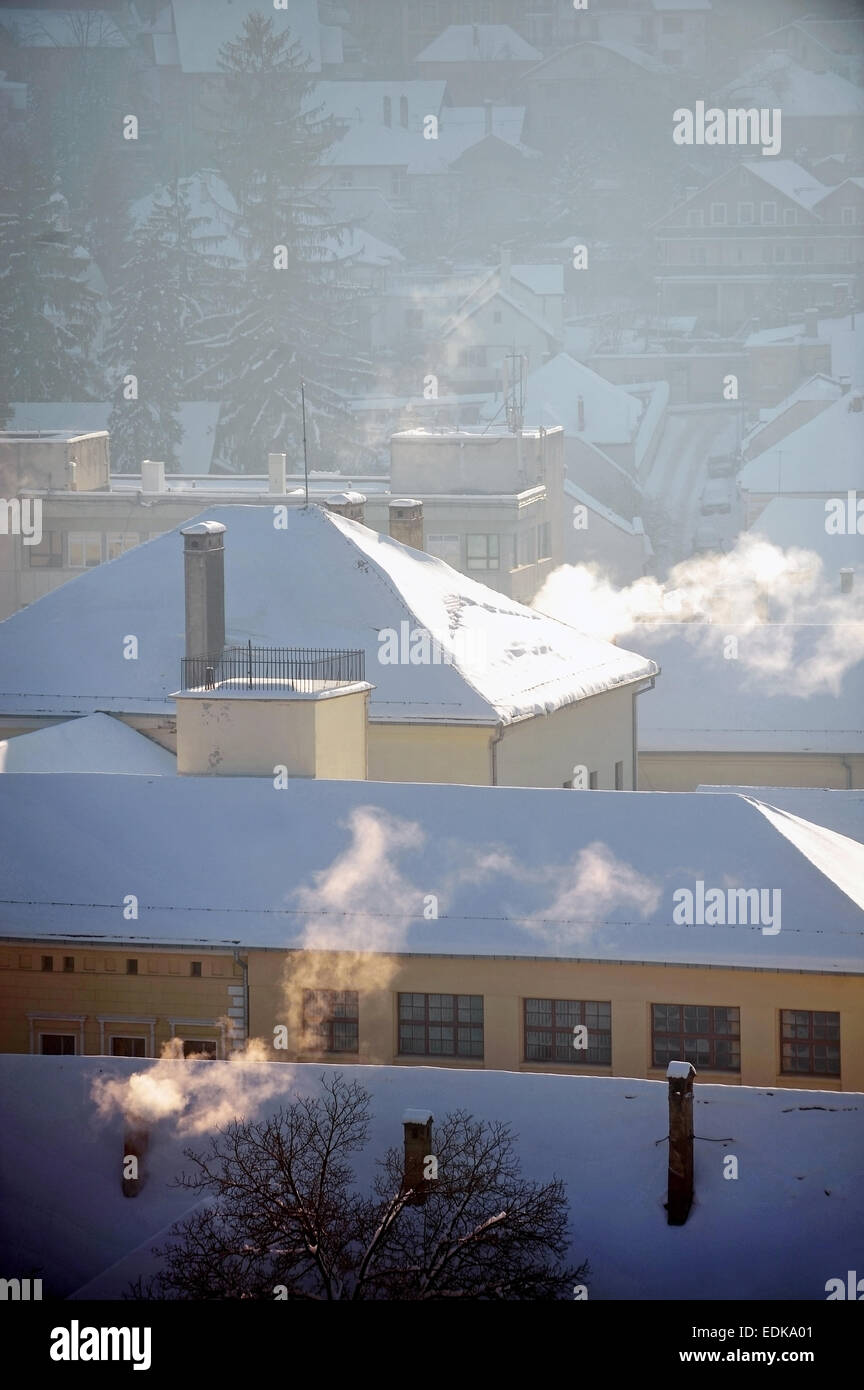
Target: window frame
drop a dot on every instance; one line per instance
(428, 1022)
(811, 1041)
(63, 1052)
(51, 558)
(577, 1017)
(483, 562)
(127, 1038)
(711, 1034)
(319, 1034)
(85, 538)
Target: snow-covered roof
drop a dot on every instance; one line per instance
(824, 454)
(211, 204)
(197, 419)
(847, 346)
(598, 1134)
(842, 811)
(788, 178)
(777, 80)
(369, 146)
(551, 68)
(204, 26)
(800, 522)
(664, 5)
(36, 27)
(540, 279)
(96, 743)
(478, 43)
(470, 123)
(360, 247)
(479, 300)
(747, 709)
(363, 102)
(322, 581)
(611, 414)
(518, 871)
(619, 522)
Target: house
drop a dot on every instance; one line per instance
(821, 111)
(599, 536)
(94, 743)
(717, 927)
(674, 32)
(612, 87)
(514, 315)
(823, 458)
(484, 60)
(800, 523)
(802, 404)
(599, 1137)
(841, 811)
(480, 689)
(821, 44)
(763, 237)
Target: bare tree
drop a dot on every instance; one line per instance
(283, 1217)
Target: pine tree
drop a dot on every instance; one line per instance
(48, 313)
(283, 317)
(167, 285)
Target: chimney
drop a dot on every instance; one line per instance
(135, 1141)
(72, 475)
(504, 271)
(204, 570)
(680, 1190)
(418, 1144)
(406, 521)
(487, 117)
(276, 472)
(856, 399)
(152, 476)
(350, 504)
(847, 580)
(580, 409)
(811, 323)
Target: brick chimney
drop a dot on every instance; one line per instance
(135, 1141)
(418, 1144)
(680, 1189)
(405, 516)
(204, 570)
(349, 504)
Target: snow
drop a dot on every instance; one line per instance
(612, 414)
(204, 26)
(847, 347)
(838, 810)
(683, 1070)
(825, 456)
(321, 581)
(96, 743)
(793, 1214)
(777, 80)
(358, 246)
(519, 872)
(416, 1117)
(478, 43)
(211, 203)
(736, 710)
(788, 178)
(198, 421)
(619, 522)
(363, 102)
(800, 522)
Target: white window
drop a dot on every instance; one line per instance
(769, 212)
(745, 213)
(482, 552)
(118, 541)
(695, 217)
(718, 214)
(445, 547)
(83, 549)
(847, 216)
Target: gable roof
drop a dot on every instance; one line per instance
(783, 175)
(478, 43)
(777, 80)
(839, 810)
(321, 581)
(96, 743)
(824, 454)
(558, 64)
(800, 522)
(478, 300)
(518, 871)
(552, 391)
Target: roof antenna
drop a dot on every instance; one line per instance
(305, 459)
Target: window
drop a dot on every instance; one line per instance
(592, 781)
(200, 1047)
(544, 540)
(809, 250)
(745, 213)
(482, 552)
(388, 111)
(673, 24)
(48, 554)
(549, 1025)
(788, 217)
(810, 1042)
(525, 548)
(496, 316)
(195, 968)
(83, 549)
(118, 541)
(397, 183)
(57, 1044)
(695, 217)
(779, 252)
(48, 963)
(403, 112)
(769, 212)
(346, 178)
(698, 255)
(330, 1019)
(127, 1047)
(619, 777)
(441, 1025)
(847, 217)
(131, 967)
(445, 548)
(718, 214)
(472, 357)
(707, 1036)
(672, 57)
(69, 964)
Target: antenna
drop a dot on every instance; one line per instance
(305, 459)
(515, 413)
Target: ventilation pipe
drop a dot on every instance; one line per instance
(204, 571)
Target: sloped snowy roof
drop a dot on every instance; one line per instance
(619, 522)
(777, 80)
(598, 1134)
(96, 743)
(204, 26)
(211, 202)
(479, 300)
(842, 811)
(707, 703)
(363, 102)
(321, 581)
(800, 522)
(478, 43)
(557, 64)
(788, 178)
(358, 245)
(824, 454)
(518, 871)
(611, 414)
(369, 146)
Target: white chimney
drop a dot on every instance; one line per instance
(276, 471)
(152, 476)
(847, 580)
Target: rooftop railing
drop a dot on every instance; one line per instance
(302, 669)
